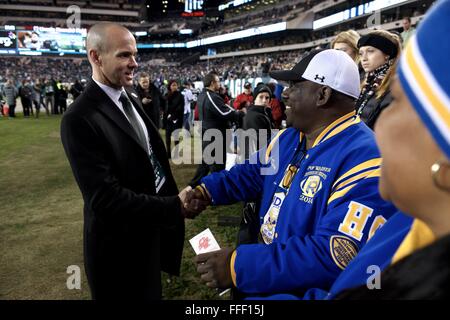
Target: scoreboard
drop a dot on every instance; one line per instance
(36, 40)
(8, 42)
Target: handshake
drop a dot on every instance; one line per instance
(213, 267)
(194, 201)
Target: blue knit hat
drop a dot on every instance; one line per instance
(424, 73)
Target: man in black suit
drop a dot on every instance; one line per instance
(133, 216)
(150, 97)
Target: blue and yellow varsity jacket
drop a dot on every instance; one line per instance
(378, 253)
(318, 207)
(399, 237)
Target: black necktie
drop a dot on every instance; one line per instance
(128, 108)
(157, 168)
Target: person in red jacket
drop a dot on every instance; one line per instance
(245, 99)
(278, 108)
(223, 92)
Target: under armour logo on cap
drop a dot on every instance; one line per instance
(322, 79)
(330, 67)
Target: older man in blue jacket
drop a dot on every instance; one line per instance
(318, 186)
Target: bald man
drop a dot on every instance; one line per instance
(133, 218)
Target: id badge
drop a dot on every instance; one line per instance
(270, 219)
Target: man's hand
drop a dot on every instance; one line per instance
(183, 193)
(214, 268)
(146, 100)
(194, 201)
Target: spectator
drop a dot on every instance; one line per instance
(379, 51)
(194, 110)
(62, 97)
(214, 114)
(10, 93)
(26, 96)
(414, 139)
(278, 109)
(265, 67)
(57, 99)
(347, 41)
(38, 97)
(49, 98)
(309, 230)
(174, 113)
(2, 102)
(223, 92)
(408, 30)
(245, 99)
(258, 118)
(150, 97)
(76, 89)
(188, 99)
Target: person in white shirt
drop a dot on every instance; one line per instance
(188, 99)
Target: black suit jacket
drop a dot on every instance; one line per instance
(130, 232)
(153, 108)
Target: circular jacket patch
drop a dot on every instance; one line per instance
(343, 250)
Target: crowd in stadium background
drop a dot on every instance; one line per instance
(165, 64)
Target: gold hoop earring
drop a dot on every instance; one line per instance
(438, 175)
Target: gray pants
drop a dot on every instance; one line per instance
(50, 99)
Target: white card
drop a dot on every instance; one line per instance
(204, 242)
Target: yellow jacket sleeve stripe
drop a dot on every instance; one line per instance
(233, 272)
(360, 167)
(356, 177)
(338, 194)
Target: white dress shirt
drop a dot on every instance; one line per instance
(114, 95)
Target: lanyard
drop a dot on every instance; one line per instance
(270, 219)
(294, 166)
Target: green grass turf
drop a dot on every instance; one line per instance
(41, 214)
